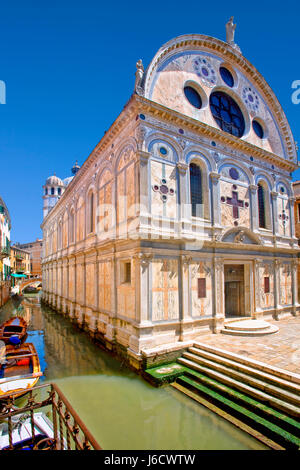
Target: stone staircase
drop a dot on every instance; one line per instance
(262, 400)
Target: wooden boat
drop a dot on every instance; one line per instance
(20, 371)
(21, 434)
(15, 326)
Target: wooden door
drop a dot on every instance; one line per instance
(233, 298)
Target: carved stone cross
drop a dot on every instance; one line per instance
(235, 203)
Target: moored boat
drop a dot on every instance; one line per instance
(15, 326)
(20, 370)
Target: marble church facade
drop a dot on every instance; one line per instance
(182, 217)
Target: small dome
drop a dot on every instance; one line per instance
(54, 180)
(75, 168)
(68, 180)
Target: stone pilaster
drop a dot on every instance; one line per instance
(274, 196)
(277, 265)
(218, 295)
(144, 158)
(254, 207)
(295, 286)
(258, 311)
(292, 216)
(143, 261)
(215, 194)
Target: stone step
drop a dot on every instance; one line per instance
(247, 369)
(250, 332)
(240, 423)
(246, 378)
(258, 365)
(286, 422)
(281, 436)
(274, 402)
(253, 325)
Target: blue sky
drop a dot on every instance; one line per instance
(69, 69)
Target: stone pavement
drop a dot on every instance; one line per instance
(280, 349)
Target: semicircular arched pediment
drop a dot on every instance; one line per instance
(241, 235)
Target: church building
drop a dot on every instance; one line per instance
(182, 217)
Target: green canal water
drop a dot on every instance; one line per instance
(119, 408)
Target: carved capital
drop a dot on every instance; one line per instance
(182, 167)
(144, 259)
(274, 194)
(214, 177)
(253, 188)
(143, 156)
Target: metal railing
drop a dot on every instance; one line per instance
(69, 432)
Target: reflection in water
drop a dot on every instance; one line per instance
(120, 409)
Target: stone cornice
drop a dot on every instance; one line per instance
(159, 111)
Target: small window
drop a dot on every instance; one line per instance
(267, 285)
(227, 76)
(59, 191)
(126, 273)
(201, 288)
(258, 129)
(193, 97)
(52, 191)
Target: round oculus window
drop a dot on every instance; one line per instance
(227, 76)
(193, 97)
(258, 129)
(227, 113)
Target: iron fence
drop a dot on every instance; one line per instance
(69, 432)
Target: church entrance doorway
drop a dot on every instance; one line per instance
(234, 290)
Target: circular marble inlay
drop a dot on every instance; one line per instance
(234, 174)
(250, 98)
(205, 71)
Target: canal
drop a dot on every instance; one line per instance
(120, 409)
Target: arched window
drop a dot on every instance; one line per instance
(46, 191)
(52, 191)
(261, 206)
(196, 189)
(91, 212)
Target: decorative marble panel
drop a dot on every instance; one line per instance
(202, 306)
(165, 305)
